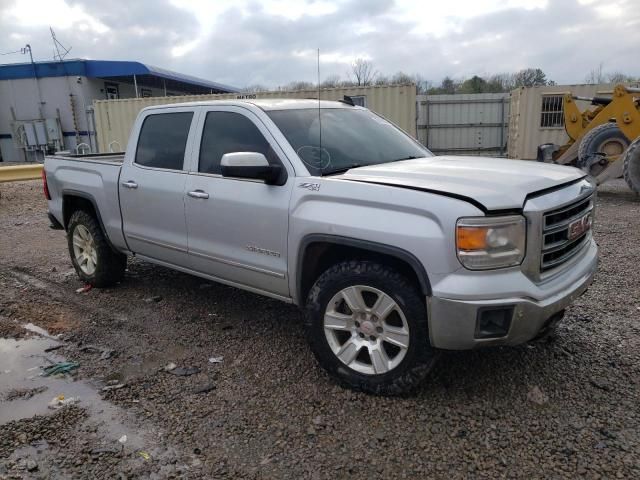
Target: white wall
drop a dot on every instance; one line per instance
(22, 95)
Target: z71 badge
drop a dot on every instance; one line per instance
(314, 187)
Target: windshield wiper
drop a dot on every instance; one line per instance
(336, 171)
(410, 157)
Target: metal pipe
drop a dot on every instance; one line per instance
(18, 173)
(164, 85)
(27, 47)
(426, 122)
(89, 117)
(135, 85)
(84, 146)
(502, 127)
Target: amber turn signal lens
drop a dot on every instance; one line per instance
(471, 238)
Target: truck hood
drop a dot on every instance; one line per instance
(494, 183)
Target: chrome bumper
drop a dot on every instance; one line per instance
(452, 321)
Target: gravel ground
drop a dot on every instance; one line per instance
(562, 408)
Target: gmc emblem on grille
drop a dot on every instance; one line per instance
(579, 227)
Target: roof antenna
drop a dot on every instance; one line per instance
(319, 116)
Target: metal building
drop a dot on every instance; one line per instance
(464, 124)
(47, 106)
(537, 115)
(115, 118)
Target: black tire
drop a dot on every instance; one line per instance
(419, 357)
(110, 265)
(594, 141)
(631, 169)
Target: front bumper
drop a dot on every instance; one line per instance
(453, 310)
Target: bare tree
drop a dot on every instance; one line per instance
(619, 77)
(422, 85)
(256, 87)
(332, 81)
(299, 85)
(401, 78)
(363, 72)
(596, 75)
(381, 80)
(500, 82)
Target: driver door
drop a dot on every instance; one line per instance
(237, 228)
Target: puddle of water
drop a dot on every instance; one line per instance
(20, 362)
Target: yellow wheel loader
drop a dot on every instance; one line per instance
(600, 138)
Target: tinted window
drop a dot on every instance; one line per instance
(229, 132)
(163, 139)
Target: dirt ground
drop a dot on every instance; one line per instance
(564, 408)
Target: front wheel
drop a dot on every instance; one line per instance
(93, 258)
(367, 326)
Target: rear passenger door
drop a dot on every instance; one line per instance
(152, 186)
(237, 228)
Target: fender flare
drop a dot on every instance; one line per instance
(390, 250)
(92, 200)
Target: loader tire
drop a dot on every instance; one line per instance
(603, 141)
(631, 169)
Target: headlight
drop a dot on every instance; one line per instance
(485, 243)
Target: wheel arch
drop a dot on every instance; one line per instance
(73, 200)
(317, 252)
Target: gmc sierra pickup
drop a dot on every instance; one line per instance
(392, 252)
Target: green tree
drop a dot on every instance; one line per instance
(474, 84)
(530, 77)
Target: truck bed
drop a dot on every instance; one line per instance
(93, 177)
(116, 157)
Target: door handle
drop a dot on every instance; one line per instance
(198, 194)
(130, 184)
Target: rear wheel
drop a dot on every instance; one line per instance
(601, 146)
(631, 170)
(93, 258)
(367, 326)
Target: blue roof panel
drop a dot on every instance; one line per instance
(101, 69)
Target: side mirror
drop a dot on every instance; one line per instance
(249, 165)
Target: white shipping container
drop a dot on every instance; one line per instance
(114, 118)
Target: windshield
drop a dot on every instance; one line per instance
(350, 138)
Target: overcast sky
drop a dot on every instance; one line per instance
(244, 42)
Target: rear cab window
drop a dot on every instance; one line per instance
(163, 140)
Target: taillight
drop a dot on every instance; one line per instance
(45, 187)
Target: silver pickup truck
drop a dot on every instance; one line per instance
(393, 253)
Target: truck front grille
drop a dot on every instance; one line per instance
(564, 232)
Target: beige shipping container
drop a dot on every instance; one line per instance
(114, 118)
(536, 116)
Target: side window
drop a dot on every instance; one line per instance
(229, 132)
(111, 91)
(163, 139)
